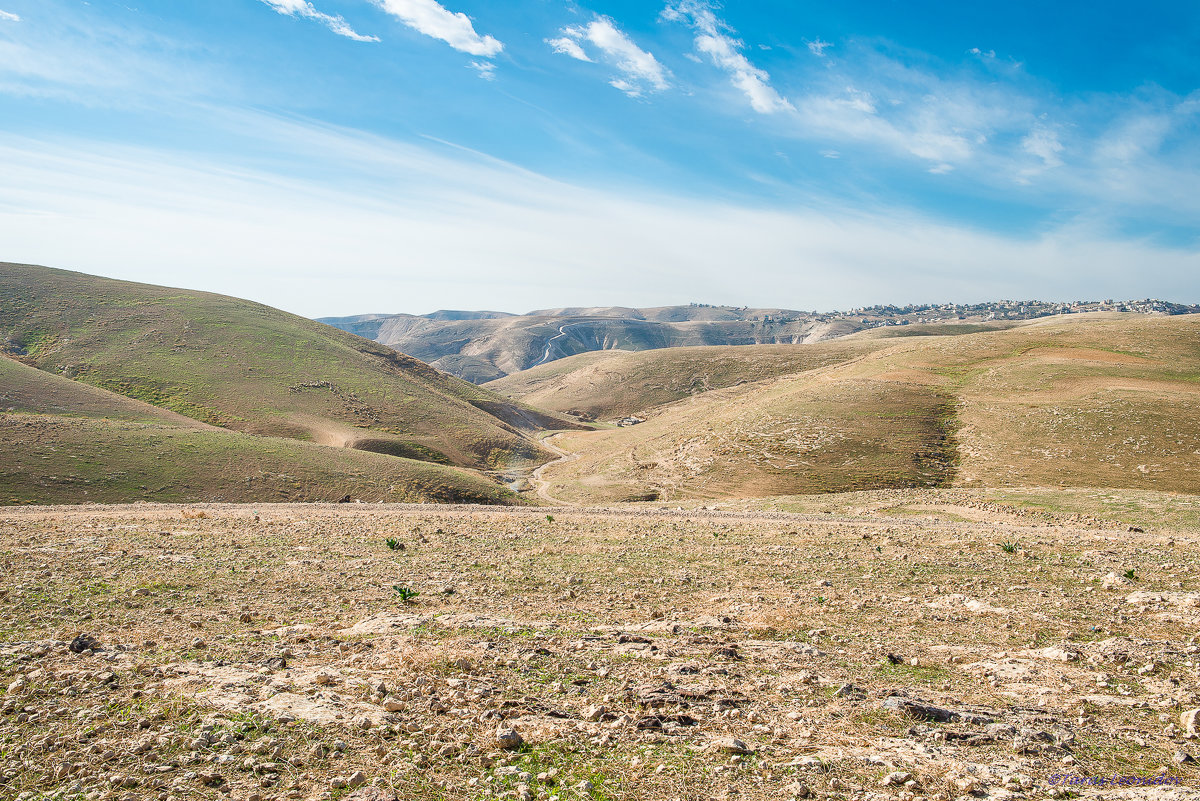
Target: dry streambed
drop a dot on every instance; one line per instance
(233, 652)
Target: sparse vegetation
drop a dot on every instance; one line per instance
(406, 594)
(637, 651)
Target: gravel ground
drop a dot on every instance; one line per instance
(238, 652)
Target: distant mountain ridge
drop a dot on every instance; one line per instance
(482, 346)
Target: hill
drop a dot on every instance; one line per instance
(613, 384)
(486, 346)
(247, 367)
(67, 442)
(1087, 401)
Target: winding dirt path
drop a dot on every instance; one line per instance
(562, 332)
(541, 484)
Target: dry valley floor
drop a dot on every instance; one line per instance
(929, 647)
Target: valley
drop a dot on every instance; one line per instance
(253, 557)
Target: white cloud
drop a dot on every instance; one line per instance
(726, 53)
(983, 54)
(486, 69)
(432, 19)
(305, 9)
(640, 70)
(8, 16)
(1043, 143)
(568, 47)
(1133, 138)
(818, 47)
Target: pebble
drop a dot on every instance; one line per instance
(509, 739)
(1189, 721)
(731, 745)
(84, 642)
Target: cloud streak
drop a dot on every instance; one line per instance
(8, 16)
(567, 46)
(425, 227)
(639, 70)
(725, 52)
(306, 10)
(434, 20)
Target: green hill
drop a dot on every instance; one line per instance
(250, 368)
(67, 442)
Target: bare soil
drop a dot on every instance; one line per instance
(900, 647)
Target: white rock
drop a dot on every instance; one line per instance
(1190, 722)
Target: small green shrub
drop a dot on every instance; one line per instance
(407, 594)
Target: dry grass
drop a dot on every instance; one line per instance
(735, 625)
(1108, 401)
(610, 385)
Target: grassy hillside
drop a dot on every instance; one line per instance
(611, 384)
(27, 389)
(1065, 402)
(67, 442)
(250, 368)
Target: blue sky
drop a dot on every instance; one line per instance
(344, 156)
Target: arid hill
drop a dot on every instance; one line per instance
(1085, 401)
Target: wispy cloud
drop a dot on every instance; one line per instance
(640, 70)
(1043, 144)
(454, 28)
(486, 69)
(500, 236)
(947, 120)
(817, 47)
(725, 52)
(8, 16)
(569, 47)
(90, 61)
(305, 9)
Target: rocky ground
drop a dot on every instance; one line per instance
(155, 652)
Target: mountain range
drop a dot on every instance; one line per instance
(482, 346)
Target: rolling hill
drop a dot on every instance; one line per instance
(486, 346)
(1103, 400)
(68, 442)
(250, 368)
(611, 384)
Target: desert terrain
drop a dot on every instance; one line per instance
(905, 644)
(915, 563)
